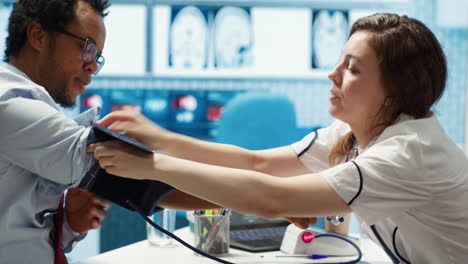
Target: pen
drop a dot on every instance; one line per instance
(313, 256)
(318, 256)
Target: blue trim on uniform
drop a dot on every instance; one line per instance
(310, 144)
(395, 248)
(384, 246)
(360, 183)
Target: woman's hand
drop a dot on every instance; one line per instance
(302, 222)
(136, 125)
(119, 159)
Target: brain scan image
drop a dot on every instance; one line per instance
(329, 36)
(233, 38)
(188, 39)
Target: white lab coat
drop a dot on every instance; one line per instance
(408, 188)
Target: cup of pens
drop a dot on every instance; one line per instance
(211, 231)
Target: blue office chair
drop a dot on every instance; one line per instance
(258, 121)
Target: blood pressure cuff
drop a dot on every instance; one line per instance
(146, 194)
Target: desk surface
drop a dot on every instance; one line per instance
(142, 252)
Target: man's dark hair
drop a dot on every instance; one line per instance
(52, 15)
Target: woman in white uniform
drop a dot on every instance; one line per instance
(387, 159)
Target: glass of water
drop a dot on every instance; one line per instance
(165, 219)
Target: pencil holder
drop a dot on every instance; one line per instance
(211, 233)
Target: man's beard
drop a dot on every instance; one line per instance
(57, 89)
(63, 100)
(72, 105)
(61, 97)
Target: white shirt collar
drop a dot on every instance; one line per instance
(17, 71)
(401, 118)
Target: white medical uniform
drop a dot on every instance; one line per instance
(408, 188)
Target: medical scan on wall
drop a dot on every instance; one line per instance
(233, 38)
(188, 39)
(329, 36)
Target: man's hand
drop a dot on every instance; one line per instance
(85, 210)
(302, 222)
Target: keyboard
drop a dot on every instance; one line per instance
(258, 239)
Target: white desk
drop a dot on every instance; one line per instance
(142, 252)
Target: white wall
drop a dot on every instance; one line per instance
(4, 14)
(452, 13)
(125, 47)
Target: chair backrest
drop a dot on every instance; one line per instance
(258, 121)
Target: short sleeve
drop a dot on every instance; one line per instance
(381, 182)
(345, 179)
(314, 148)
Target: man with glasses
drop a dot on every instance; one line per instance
(52, 50)
(90, 52)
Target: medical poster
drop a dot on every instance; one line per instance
(329, 35)
(209, 38)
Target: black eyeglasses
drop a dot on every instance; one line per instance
(90, 51)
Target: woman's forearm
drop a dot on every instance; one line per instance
(259, 193)
(282, 161)
(182, 201)
(189, 148)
